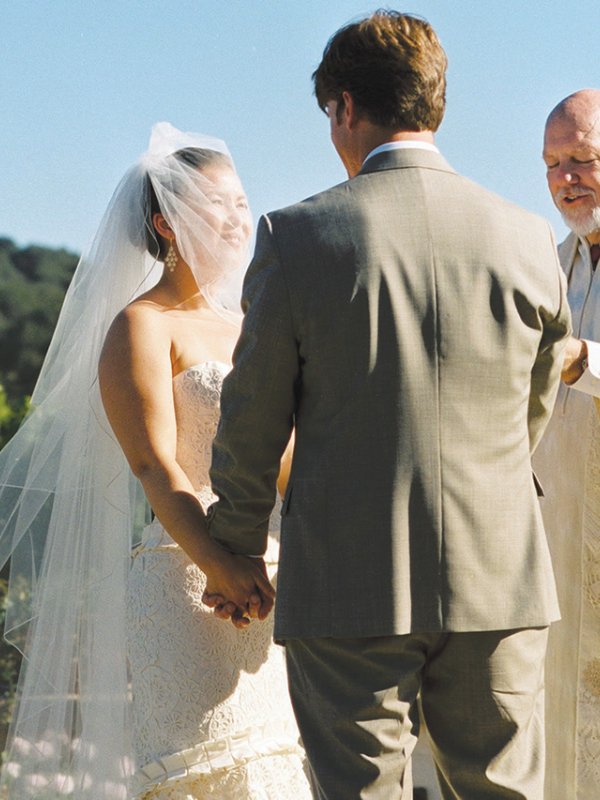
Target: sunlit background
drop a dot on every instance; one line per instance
(82, 82)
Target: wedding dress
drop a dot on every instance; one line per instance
(211, 713)
(128, 687)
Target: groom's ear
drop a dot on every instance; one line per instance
(349, 112)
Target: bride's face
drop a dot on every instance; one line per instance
(226, 208)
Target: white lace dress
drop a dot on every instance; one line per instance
(212, 717)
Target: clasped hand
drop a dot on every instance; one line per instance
(238, 589)
(573, 364)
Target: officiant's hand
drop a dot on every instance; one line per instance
(238, 589)
(574, 362)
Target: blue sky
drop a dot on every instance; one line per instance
(82, 82)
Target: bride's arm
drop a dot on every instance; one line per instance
(137, 391)
(286, 466)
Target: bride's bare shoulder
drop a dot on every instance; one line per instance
(146, 310)
(139, 329)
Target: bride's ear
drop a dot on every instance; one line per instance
(161, 226)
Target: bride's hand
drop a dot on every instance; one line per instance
(237, 588)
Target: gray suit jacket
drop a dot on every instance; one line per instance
(408, 324)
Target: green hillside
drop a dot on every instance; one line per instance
(33, 281)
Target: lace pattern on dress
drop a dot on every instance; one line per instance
(212, 715)
(266, 778)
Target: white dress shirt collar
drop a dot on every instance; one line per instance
(404, 144)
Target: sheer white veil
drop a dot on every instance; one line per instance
(69, 505)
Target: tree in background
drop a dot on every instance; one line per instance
(11, 415)
(33, 282)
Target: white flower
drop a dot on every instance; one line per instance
(21, 746)
(65, 783)
(45, 748)
(13, 769)
(35, 782)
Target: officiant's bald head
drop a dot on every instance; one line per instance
(572, 156)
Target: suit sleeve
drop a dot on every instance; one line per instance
(257, 406)
(545, 374)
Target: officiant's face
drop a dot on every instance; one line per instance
(572, 156)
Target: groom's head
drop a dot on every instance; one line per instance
(392, 66)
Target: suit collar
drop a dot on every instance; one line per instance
(402, 159)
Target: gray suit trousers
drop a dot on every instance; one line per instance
(481, 698)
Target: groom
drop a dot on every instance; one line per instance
(408, 325)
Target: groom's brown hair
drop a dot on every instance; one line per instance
(394, 67)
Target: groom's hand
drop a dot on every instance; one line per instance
(227, 610)
(238, 589)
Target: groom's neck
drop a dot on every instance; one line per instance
(367, 136)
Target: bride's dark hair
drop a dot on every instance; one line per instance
(196, 157)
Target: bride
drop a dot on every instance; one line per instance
(129, 686)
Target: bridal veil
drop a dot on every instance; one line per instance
(69, 506)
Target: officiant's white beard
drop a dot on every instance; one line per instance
(583, 225)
